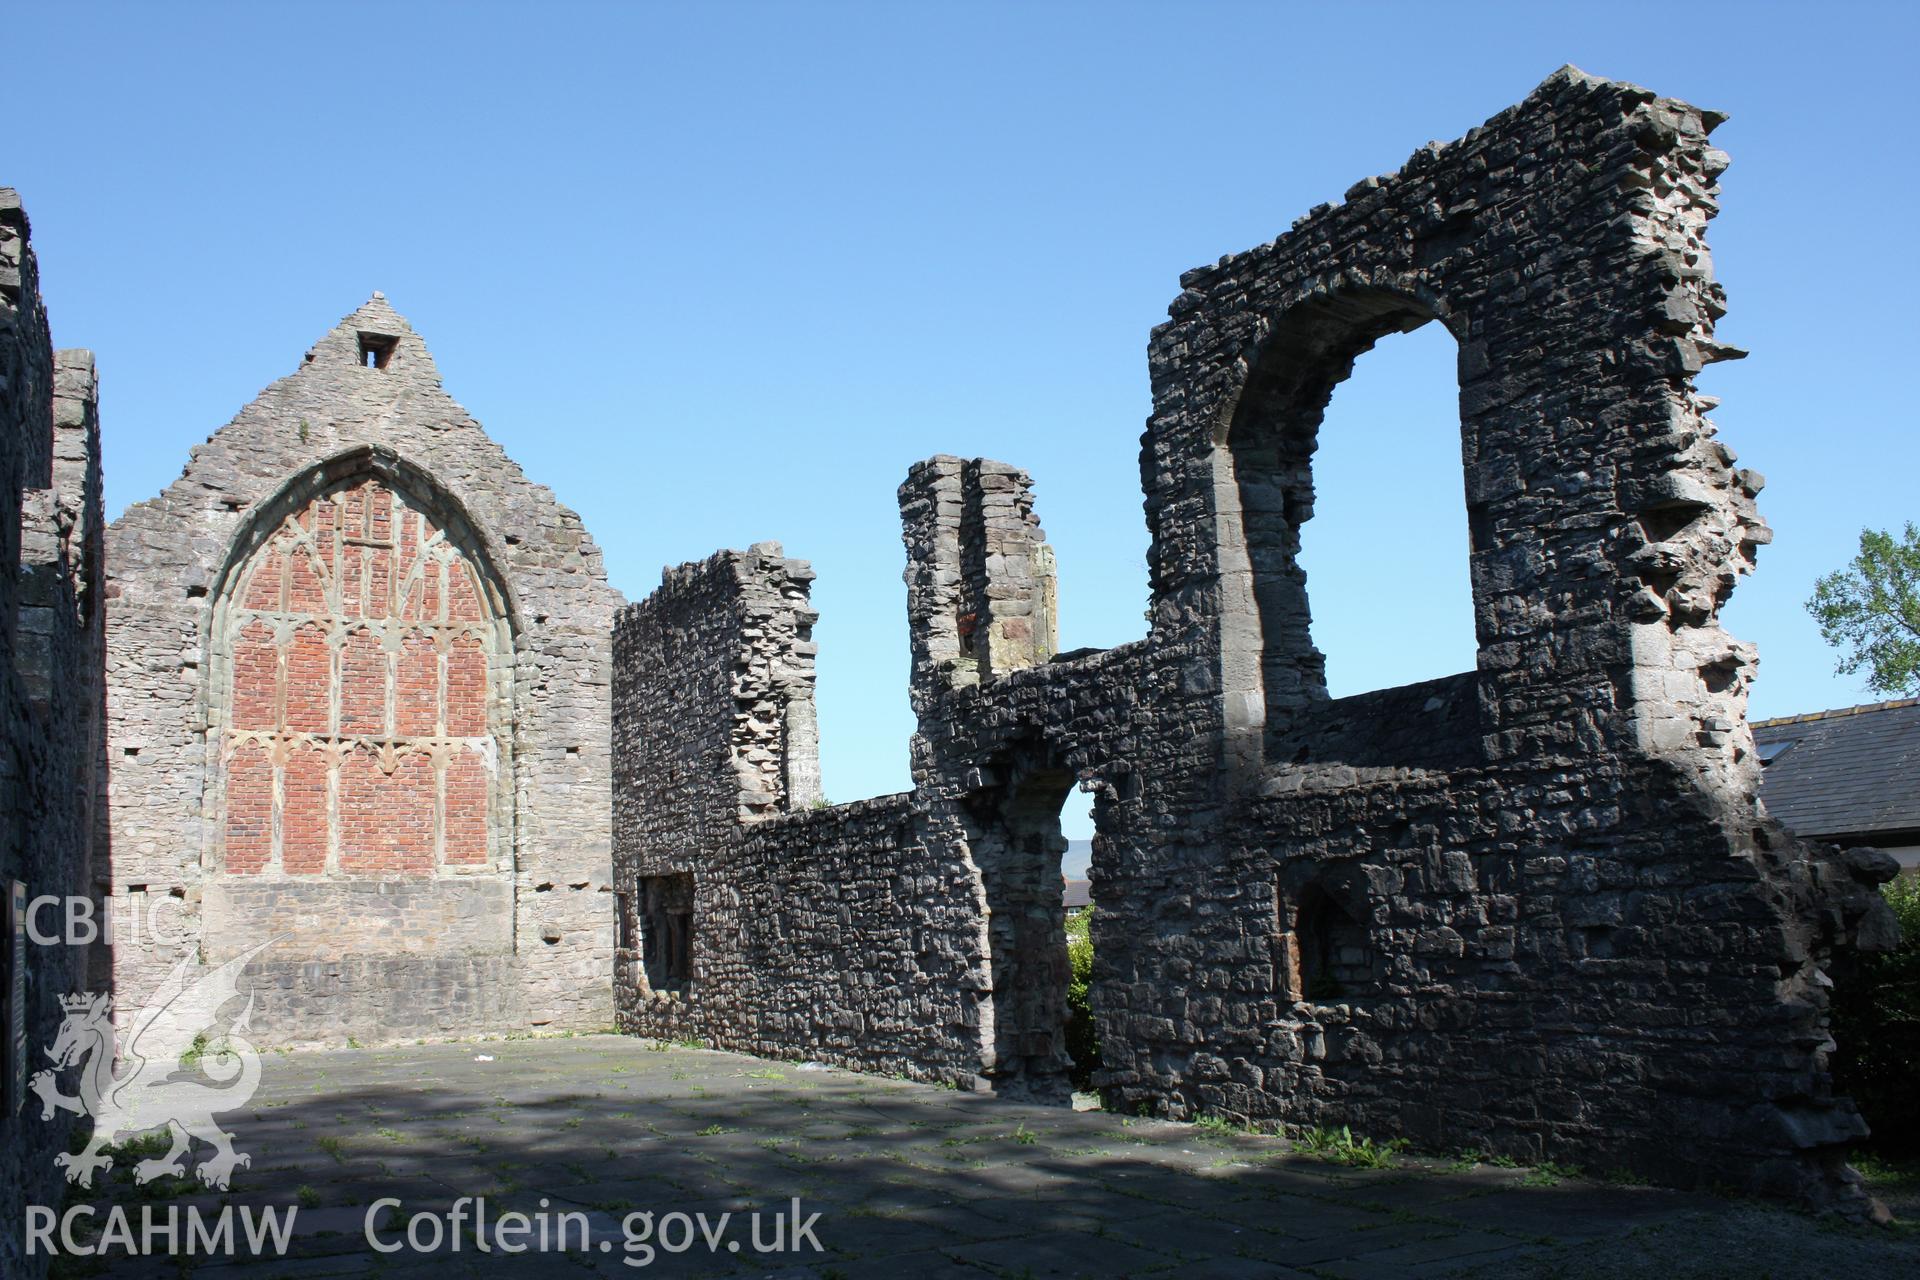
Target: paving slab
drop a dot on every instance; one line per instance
(908, 1180)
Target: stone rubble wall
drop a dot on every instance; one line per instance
(51, 688)
(543, 894)
(1533, 909)
(707, 671)
(465, 915)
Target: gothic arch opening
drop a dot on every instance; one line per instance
(1013, 833)
(360, 686)
(1265, 490)
(1385, 554)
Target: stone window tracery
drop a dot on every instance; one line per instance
(367, 668)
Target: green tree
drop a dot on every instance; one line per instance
(1871, 611)
(1876, 1024)
(1083, 1040)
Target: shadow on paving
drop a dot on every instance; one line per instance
(906, 1180)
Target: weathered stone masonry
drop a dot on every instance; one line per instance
(1534, 908)
(51, 687)
(729, 666)
(359, 700)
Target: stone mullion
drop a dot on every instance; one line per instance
(439, 761)
(442, 642)
(337, 644)
(281, 634)
(276, 755)
(335, 756)
(441, 756)
(335, 695)
(336, 673)
(389, 722)
(277, 737)
(333, 586)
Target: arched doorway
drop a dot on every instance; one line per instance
(1014, 836)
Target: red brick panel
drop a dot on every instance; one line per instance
(352, 509)
(306, 589)
(303, 817)
(466, 688)
(431, 592)
(380, 513)
(466, 810)
(265, 585)
(463, 599)
(386, 820)
(249, 810)
(309, 680)
(256, 679)
(416, 687)
(406, 556)
(325, 515)
(363, 683)
(362, 788)
(352, 579)
(379, 601)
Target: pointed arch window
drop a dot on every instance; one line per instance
(362, 691)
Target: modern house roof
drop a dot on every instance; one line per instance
(1852, 772)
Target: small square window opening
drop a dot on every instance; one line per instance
(376, 349)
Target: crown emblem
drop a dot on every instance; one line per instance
(81, 1001)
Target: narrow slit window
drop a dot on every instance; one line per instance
(623, 921)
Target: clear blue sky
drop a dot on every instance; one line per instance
(719, 273)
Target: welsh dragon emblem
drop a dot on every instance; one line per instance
(154, 1089)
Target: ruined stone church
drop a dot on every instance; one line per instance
(368, 694)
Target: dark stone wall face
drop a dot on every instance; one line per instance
(1532, 909)
(359, 699)
(51, 686)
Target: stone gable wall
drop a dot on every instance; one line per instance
(1532, 909)
(503, 868)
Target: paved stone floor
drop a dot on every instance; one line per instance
(908, 1181)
